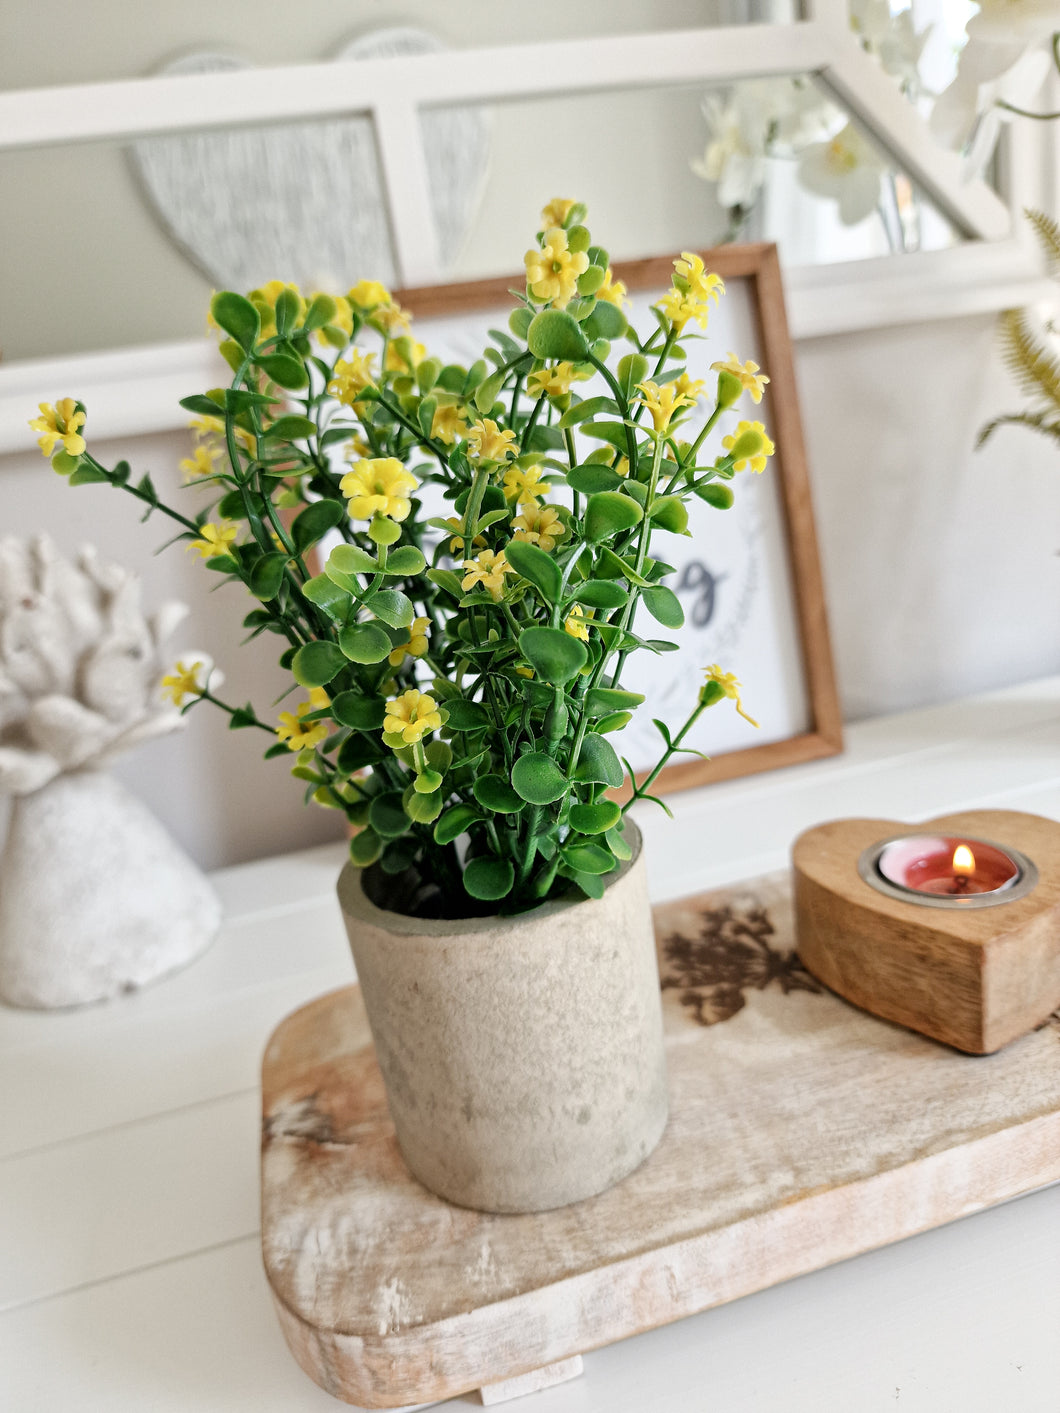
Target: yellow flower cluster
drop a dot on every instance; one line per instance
(59, 423)
(556, 213)
(612, 291)
(522, 485)
(378, 486)
(215, 539)
(404, 355)
(449, 423)
(298, 734)
(552, 272)
(375, 302)
(538, 525)
(753, 381)
(416, 646)
(577, 623)
(184, 681)
(411, 716)
(729, 685)
(690, 296)
(751, 445)
(202, 461)
(555, 382)
(487, 569)
(351, 376)
(487, 442)
(663, 402)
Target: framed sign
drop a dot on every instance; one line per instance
(748, 578)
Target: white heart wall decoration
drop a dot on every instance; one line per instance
(304, 201)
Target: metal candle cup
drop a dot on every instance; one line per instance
(946, 871)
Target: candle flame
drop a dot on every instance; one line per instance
(963, 861)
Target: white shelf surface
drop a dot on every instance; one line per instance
(130, 1277)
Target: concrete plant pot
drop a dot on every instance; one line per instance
(522, 1057)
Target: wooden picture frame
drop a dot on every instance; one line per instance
(755, 269)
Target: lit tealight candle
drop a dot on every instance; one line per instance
(924, 863)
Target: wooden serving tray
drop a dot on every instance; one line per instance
(802, 1131)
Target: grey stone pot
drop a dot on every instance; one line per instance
(522, 1057)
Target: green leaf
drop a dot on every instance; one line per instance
(598, 763)
(601, 593)
(448, 580)
(360, 712)
(605, 322)
(363, 643)
(537, 566)
(720, 497)
(612, 566)
(393, 607)
(387, 815)
(427, 782)
(365, 847)
(538, 779)
(608, 513)
(616, 842)
(405, 561)
(486, 393)
(286, 312)
(267, 575)
(358, 751)
(519, 321)
(348, 560)
(669, 513)
(591, 477)
(334, 600)
(86, 475)
(242, 717)
(466, 716)
(237, 316)
(203, 406)
(316, 664)
(632, 369)
(423, 808)
(588, 858)
(292, 427)
(494, 793)
(664, 606)
(321, 311)
(595, 819)
(602, 700)
(614, 433)
(553, 335)
(398, 855)
(582, 411)
(613, 721)
(489, 878)
(555, 655)
(284, 369)
(313, 523)
(590, 883)
(455, 822)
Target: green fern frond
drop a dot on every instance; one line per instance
(1033, 367)
(1037, 421)
(1048, 232)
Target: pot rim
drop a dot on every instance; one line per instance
(355, 903)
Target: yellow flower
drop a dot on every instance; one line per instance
(662, 402)
(577, 624)
(356, 448)
(264, 300)
(449, 423)
(391, 319)
(412, 716)
(751, 446)
(696, 278)
(621, 466)
(553, 381)
(378, 486)
(552, 272)
(59, 424)
(612, 291)
(538, 525)
(203, 428)
(488, 442)
(184, 681)
(404, 355)
(729, 685)
(416, 645)
(488, 569)
(301, 735)
(367, 294)
(215, 539)
(351, 376)
(202, 461)
(522, 485)
(456, 544)
(555, 213)
(692, 291)
(748, 374)
(690, 388)
(318, 698)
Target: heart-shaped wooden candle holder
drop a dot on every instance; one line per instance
(966, 952)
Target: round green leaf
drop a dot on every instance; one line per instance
(455, 822)
(349, 560)
(359, 712)
(555, 655)
(333, 599)
(237, 316)
(393, 607)
(494, 793)
(591, 477)
(405, 561)
(598, 763)
(364, 643)
(427, 782)
(720, 497)
(365, 847)
(422, 808)
(315, 664)
(608, 512)
(291, 428)
(537, 566)
(519, 321)
(322, 310)
(595, 819)
(313, 523)
(267, 576)
(398, 855)
(588, 858)
(601, 593)
(285, 369)
(664, 606)
(669, 513)
(466, 716)
(387, 815)
(616, 842)
(605, 322)
(554, 335)
(590, 883)
(489, 878)
(613, 721)
(538, 779)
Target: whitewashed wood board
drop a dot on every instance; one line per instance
(802, 1132)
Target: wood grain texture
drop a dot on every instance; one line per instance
(974, 979)
(803, 1131)
(759, 264)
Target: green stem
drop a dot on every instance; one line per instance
(672, 749)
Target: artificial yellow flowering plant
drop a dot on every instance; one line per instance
(462, 673)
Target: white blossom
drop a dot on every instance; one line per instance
(847, 169)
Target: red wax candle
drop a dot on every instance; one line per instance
(928, 863)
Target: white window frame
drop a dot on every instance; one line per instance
(136, 390)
